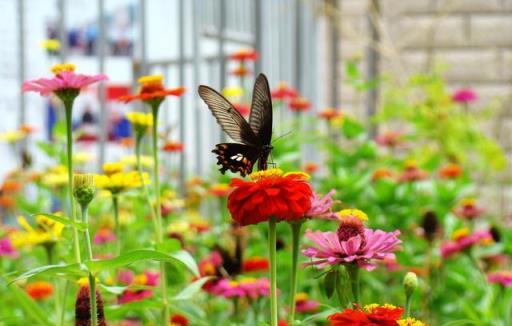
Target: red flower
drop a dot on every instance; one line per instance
(255, 264)
(282, 322)
(152, 90)
(172, 147)
(310, 167)
(241, 71)
(389, 138)
(299, 104)
(39, 290)
(283, 91)
(245, 55)
(412, 173)
(269, 194)
(371, 315)
(381, 173)
(179, 320)
(329, 113)
(244, 109)
(450, 171)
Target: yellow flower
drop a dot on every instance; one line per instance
(51, 45)
(46, 232)
(468, 202)
(110, 168)
(12, 136)
(151, 80)
(84, 281)
(233, 91)
(131, 161)
(55, 176)
(121, 181)
(82, 158)
(62, 67)
(140, 119)
(370, 307)
(353, 212)
(410, 322)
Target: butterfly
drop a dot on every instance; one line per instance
(253, 137)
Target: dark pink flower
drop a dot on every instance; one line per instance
(503, 277)
(104, 235)
(390, 138)
(464, 96)
(360, 248)
(245, 288)
(304, 304)
(6, 249)
(464, 240)
(321, 207)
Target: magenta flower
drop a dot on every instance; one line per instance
(321, 207)
(360, 248)
(125, 277)
(6, 249)
(245, 288)
(103, 236)
(503, 277)
(303, 304)
(464, 96)
(65, 79)
(464, 241)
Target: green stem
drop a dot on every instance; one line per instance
(159, 232)
(353, 273)
(138, 143)
(115, 207)
(92, 278)
(273, 270)
(69, 143)
(295, 259)
(408, 305)
(63, 308)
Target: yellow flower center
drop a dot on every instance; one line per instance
(301, 297)
(256, 176)
(61, 67)
(141, 279)
(468, 202)
(247, 280)
(460, 233)
(151, 80)
(112, 167)
(373, 306)
(410, 164)
(354, 213)
(410, 322)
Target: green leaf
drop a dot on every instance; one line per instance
(460, 322)
(351, 128)
(73, 270)
(330, 282)
(31, 308)
(117, 312)
(80, 226)
(113, 289)
(192, 289)
(131, 257)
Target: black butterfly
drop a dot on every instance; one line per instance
(254, 137)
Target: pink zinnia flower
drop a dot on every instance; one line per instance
(464, 96)
(125, 277)
(321, 207)
(6, 249)
(65, 79)
(304, 304)
(463, 240)
(104, 235)
(469, 209)
(412, 173)
(390, 138)
(352, 244)
(503, 277)
(245, 288)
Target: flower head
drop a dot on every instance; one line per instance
(39, 290)
(463, 240)
(241, 71)
(51, 45)
(244, 288)
(179, 320)
(118, 182)
(152, 91)
(322, 207)
(370, 315)
(6, 248)
(303, 304)
(450, 171)
(66, 84)
(83, 307)
(468, 209)
(381, 173)
(244, 109)
(45, 232)
(299, 104)
(255, 264)
(140, 121)
(351, 244)
(83, 188)
(329, 114)
(283, 91)
(390, 138)
(412, 173)
(409, 321)
(245, 55)
(173, 147)
(268, 194)
(104, 235)
(503, 278)
(464, 96)
(219, 190)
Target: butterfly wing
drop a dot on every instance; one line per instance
(237, 158)
(228, 117)
(260, 119)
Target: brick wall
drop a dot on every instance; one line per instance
(473, 38)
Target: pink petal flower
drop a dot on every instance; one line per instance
(61, 81)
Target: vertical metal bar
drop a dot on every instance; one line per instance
(21, 60)
(181, 75)
(196, 36)
(373, 61)
(221, 44)
(258, 35)
(101, 88)
(335, 52)
(62, 30)
(298, 46)
(142, 32)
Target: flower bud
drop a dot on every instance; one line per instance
(410, 283)
(83, 188)
(83, 308)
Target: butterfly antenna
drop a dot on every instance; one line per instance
(282, 136)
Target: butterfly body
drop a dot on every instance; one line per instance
(253, 137)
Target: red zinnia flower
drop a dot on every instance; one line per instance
(282, 91)
(371, 315)
(244, 109)
(310, 167)
(152, 90)
(39, 290)
(381, 174)
(241, 71)
(389, 138)
(179, 320)
(270, 194)
(450, 171)
(299, 104)
(412, 173)
(255, 264)
(173, 147)
(329, 113)
(245, 55)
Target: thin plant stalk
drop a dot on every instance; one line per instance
(63, 307)
(92, 278)
(408, 300)
(69, 143)
(295, 259)
(138, 143)
(115, 207)
(159, 232)
(353, 273)
(273, 270)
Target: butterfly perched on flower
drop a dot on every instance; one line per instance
(253, 137)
